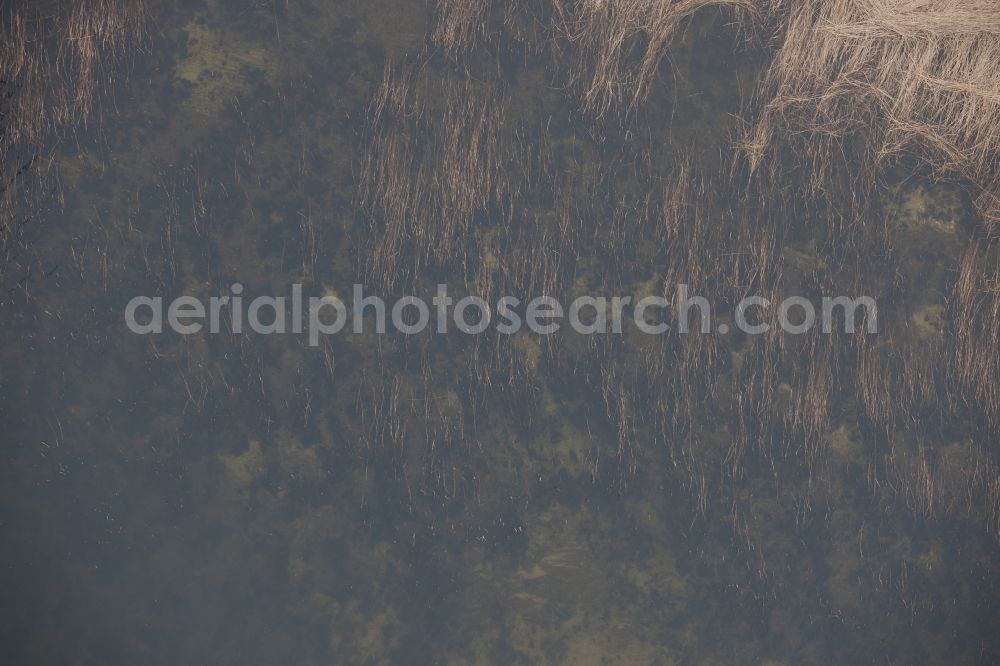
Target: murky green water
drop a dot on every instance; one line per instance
(241, 499)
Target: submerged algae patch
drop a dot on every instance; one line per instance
(243, 469)
(220, 64)
(925, 208)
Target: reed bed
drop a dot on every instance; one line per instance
(451, 182)
(53, 64)
(913, 77)
(54, 60)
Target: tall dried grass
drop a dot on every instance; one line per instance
(944, 482)
(913, 77)
(462, 25)
(975, 313)
(459, 24)
(438, 160)
(618, 45)
(54, 63)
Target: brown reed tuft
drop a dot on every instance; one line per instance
(975, 316)
(619, 44)
(439, 160)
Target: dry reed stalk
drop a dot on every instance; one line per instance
(462, 25)
(619, 45)
(814, 377)
(988, 206)
(975, 316)
(459, 24)
(678, 372)
(942, 482)
(440, 158)
(901, 388)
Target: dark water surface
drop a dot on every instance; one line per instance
(242, 499)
